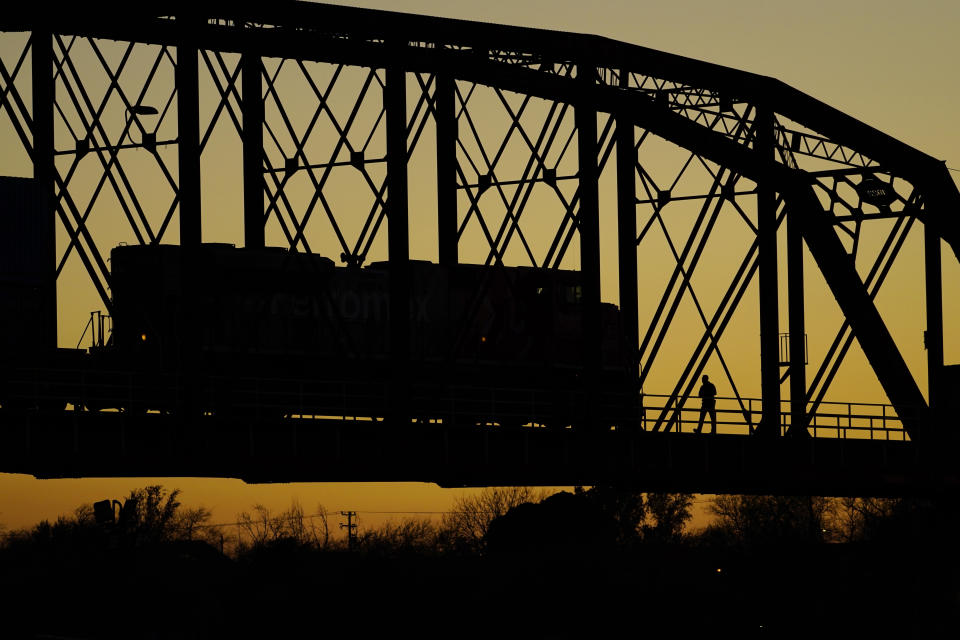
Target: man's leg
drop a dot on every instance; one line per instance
(700, 422)
(713, 420)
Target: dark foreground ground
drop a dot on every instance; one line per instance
(190, 590)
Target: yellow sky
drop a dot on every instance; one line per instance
(888, 63)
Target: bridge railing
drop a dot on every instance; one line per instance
(856, 420)
(443, 404)
(863, 420)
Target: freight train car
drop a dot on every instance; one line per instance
(286, 319)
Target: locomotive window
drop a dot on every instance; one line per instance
(573, 294)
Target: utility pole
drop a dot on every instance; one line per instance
(351, 528)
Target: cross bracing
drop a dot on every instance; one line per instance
(522, 186)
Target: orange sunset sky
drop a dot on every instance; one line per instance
(888, 63)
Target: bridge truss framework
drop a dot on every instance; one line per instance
(807, 166)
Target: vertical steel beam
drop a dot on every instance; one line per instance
(44, 173)
(796, 320)
(627, 234)
(933, 336)
(253, 222)
(589, 219)
(188, 128)
(769, 303)
(188, 155)
(398, 236)
(446, 119)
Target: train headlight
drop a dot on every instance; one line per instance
(143, 337)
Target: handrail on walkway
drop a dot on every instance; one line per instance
(833, 419)
(452, 404)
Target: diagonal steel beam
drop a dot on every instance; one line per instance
(844, 339)
(857, 305)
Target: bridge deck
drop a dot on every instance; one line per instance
(82, 444)
(279, 430)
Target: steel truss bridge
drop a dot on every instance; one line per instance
(328, 115)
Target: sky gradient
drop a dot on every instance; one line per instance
(887, 63)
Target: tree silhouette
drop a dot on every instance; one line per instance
(293, 527)
(561, 522)
(152, 515)
(929, 520)
(669, 513)
(409, 536)
(466, 525)
(650, 517)
(764, 520)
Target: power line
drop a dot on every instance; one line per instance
(329, 513)
(357, 512)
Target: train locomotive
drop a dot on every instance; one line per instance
(249, 330)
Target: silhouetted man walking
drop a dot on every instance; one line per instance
(708, 404)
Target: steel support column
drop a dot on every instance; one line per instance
(589, 219)
(188, 128)
(252, 80)
(44, 172)
(446, 119)
(398, 235)
(769, 304)
(627, 235)
(798, 373)
(933, 336)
